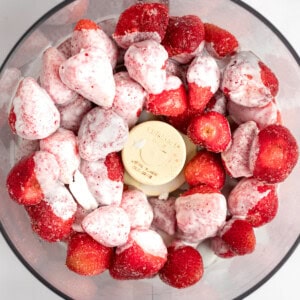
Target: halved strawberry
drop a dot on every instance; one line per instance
(184, 267)
(114, 166)
(239, 236)
(31, 176)
(219, 42)
(87, 257)
(210, 130)
(205, 168)
(184, 36)
(171, 102)
(274, 154)
(142, 256)
(268, 78)
(86, 24)
(140, 22)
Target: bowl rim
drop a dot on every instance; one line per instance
(41, 20)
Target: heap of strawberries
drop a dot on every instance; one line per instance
(80, 111)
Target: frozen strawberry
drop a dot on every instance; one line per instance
(268, 78)
(101, 132)
(105, 179)
(108, 225)
(184, 38)
(274, 154)
(221, 248)
(243, 83)
(217, 103)
(146, 63)
(263, 116)
(142, 256)
(87, 257)
(129, 99)
(50, 79)
(72, 114)
(254, 201)
(205, 168)
(171, 102)
(200, 215)
(53, 217)
(239, 236)
(236, 157)
(184, 267)
(89, 73)
(138, 209)
(141, 21)
(34, 174)
(164, 214)
(210, 130)
(33, 114)
(203, 77)
(64, 146)
(200, 189)
(88, 34)
(219, 42)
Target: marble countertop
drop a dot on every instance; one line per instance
(16, 282)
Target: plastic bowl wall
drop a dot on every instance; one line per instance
(225, 279)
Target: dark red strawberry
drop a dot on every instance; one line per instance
(210, 130)
(205, 168)
(87, 257)
(268, 78)
(184, 267)
(114, 165)
(219, 42)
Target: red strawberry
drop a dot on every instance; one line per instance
(140, 22)
(184, 267)
(220, 248)
(171, 102)
(274, 154)
(205, 168)
(199, 97)
(87, 257)
(254, 201)
(86, 24)
(239, 236)
(219, 42)
(210, 130)
(114, 165)
(53, 217)
(142, 256)
(184, 36)
(268, 78)
(28, 179)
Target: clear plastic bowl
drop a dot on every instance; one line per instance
(225, 278)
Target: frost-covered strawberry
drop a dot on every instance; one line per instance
(87, 257)
(138, 209)
(146, 63)
(141, 21)
(64, 146)
(254, 201)
(184, 38)
(53, 217)
(172, 101)
(274, 154)
(101, 132)
(50, 79)
(269, 79)
(33, 114)
(200, 215)
(203, 78)
(210, 130)
(88, 34)
(31, 177)
(105, 178)
(129, 99)
(184, 267)
(236, 157)
(219, 42)
(108, 225)
(89, 73)
(142, 256)
(205, 168)
(221, 248)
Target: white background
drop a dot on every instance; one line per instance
(18, 283)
